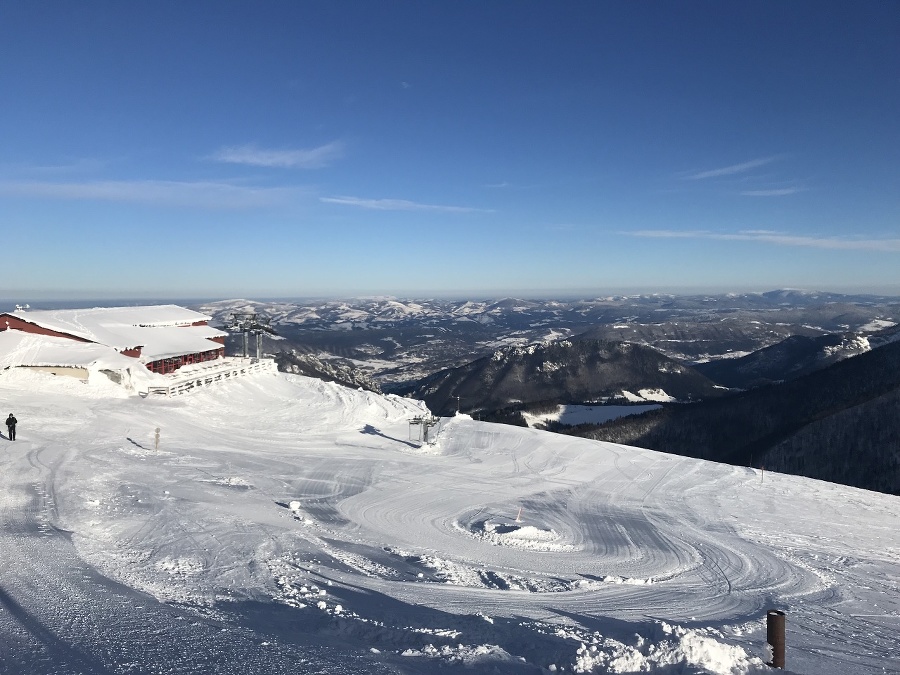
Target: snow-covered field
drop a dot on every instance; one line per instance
(284, 525)
(586, 414)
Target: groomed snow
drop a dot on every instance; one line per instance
(288, 525)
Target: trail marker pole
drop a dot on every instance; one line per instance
(775, 637)
(519, 516)
(156, 440)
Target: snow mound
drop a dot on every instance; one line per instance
(612, 579)
(515, 535)
(230, 481)
(466, 655)
(685, 650)
(445, 571)
(97, 385)
(180, 566)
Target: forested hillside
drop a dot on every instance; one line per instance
(837, 424)
(311, 366)
(859, 445)
(786, 360)
(566, 371)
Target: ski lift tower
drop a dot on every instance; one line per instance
(247, 323)
(423, 425)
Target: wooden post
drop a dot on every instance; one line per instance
(775, 637)
(156, 440)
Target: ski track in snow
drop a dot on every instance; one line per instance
(288, 525)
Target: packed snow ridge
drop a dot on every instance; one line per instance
(282, 525)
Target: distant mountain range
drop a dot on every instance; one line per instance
(799, 381)
(398, 342)
(564, 371)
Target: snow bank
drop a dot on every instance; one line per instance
(516, 535)
(688, 650)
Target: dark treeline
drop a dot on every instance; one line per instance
(839, 424)
(859, 446)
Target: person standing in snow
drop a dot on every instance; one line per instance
(11, 426)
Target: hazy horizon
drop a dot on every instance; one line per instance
(76, 301)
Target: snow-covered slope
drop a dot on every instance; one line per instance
(288, 525)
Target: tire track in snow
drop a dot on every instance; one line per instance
(58, 615)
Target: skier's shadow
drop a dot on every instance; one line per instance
(134, 442)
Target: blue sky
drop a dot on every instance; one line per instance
(261, 149)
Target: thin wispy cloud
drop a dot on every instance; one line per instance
(75, 166)
(252, 155)
(202, 194)
(779, 239)
(562, 227)
(399, 205)
(777, 192)
(507, 185)
(732, 169)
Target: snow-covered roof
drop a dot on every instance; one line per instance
(208, 331)
(165, 342)
(162, 331)
(110, 325)
(26, 349)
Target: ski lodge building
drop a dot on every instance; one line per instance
(162, 338)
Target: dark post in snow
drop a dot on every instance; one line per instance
(775, 637)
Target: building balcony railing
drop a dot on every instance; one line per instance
(190, 378)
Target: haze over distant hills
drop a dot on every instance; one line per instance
(400, 341)
(503, 357)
